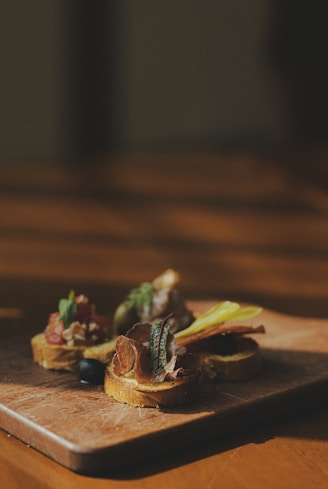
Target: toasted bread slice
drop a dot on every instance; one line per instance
(64, 357)
(235, 367)
(168, 393)
(57, 357)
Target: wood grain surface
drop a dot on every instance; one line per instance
(83, 429)
(245, 226)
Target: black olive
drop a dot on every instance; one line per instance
(91, 371)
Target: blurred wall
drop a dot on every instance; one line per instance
(80, 77)
(32, 92)
(198, 73)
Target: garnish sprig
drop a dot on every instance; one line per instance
(68, 309)
(158, 343)
(142, 297)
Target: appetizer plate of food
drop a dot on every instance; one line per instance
(92, 392)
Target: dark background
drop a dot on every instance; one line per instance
(82, 77)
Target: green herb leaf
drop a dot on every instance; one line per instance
(71, 295)
(220, 313)
(157, 344)
(68, 309)
(142, 297)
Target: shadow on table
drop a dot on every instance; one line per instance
(288, 426)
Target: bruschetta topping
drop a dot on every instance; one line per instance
(149, 353)
(76, 323)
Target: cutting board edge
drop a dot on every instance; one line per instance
(93, 461)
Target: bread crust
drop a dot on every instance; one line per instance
(57, 357)
(168, 393)
(64, 357)
(239, 366)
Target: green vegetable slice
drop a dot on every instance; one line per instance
(220, 313)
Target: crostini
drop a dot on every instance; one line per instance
(73, 332)
(154, 300)
(149, 369)
(218, 339)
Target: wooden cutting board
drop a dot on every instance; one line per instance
(86, 431)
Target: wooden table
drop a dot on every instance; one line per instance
(244, 226)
